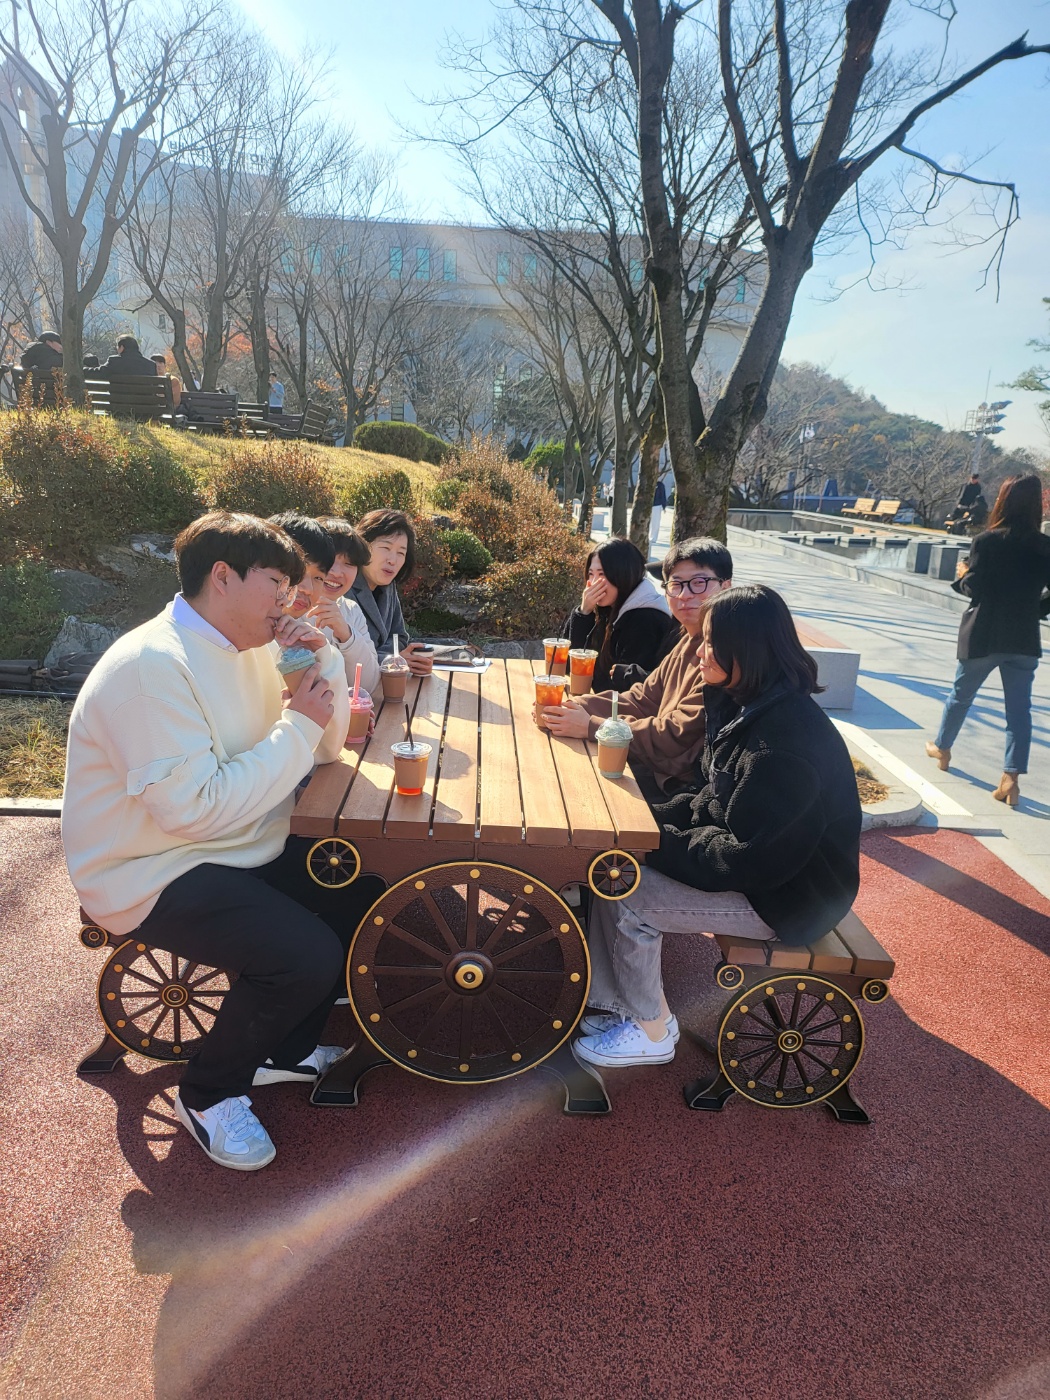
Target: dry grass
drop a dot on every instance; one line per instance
(33, 747)
(868, 786)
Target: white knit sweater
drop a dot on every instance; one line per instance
(180, 754)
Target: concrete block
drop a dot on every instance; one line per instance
(944, 558)
(857, 541)
(918, 560)
(823, 541)
(837, 670)
(895, 541)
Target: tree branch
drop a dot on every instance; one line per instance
(745, 154)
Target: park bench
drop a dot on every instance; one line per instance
(885, 510)
(791, 1032)
(143, 398)
(861, 507)
(311, 426)
(45, 385)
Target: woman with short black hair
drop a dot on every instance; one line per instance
(392, 558)
(1006, 582)
(622, 616)
(766, 846)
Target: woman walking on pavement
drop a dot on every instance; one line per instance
(1007, 582)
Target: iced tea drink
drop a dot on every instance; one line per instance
(581, 670)
(556, 655)
(550, 691)
(410, 767)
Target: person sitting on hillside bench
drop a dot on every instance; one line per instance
(392, 543)
(129, 359)
(184, 756)
(622, 616)
(43, 356)
(666, 710)
(767, 846)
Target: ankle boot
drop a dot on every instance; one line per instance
(1009, 790)
(943, 756)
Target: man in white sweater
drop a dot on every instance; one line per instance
(185, 750)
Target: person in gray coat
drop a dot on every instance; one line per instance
(392, 541)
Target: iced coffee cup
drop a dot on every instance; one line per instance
(410, 766)
(360, 715)
(581, 670)
(394, 675)
(614, 740)
(556, 655)
(550, 691)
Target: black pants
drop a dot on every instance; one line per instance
(284, 936)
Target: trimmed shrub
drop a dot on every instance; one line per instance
(467, 554)
(433, 565)
(382, 490)
(446, 494)
(165, 494)
(264, 479)
(30, 611)
(532, 596)
(435, 450)
(65, 487)
(501, 502)
(544, 457)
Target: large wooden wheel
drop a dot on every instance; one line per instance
(790, 1041)
(158, 1004)
(468, 972)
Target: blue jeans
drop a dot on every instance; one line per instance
(1017, 673)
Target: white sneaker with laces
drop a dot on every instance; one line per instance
(625, 1044)
(229, 1133)
(598, 1022)
(306, 1072)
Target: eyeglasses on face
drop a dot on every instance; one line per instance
(284, 591)
(698, 584)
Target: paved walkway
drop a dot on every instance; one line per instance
(454, 1243)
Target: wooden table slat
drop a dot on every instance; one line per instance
(318, 808)
(409, 817)
(546, 823)
(635, 826)
(365, 807)
(456, 793)
(501, 818)
(589, 819)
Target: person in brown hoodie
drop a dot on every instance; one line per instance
(666, 710)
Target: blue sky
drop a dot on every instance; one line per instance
(928, 350)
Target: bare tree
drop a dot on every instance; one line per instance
(94, 86)
(1036, 380)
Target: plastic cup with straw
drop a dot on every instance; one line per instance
(614, 740)
(410, 762)
(360, 711)
(394, 674)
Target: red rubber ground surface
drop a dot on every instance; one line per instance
(443, 1242)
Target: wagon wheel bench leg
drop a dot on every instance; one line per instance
(845, 1107)
(710, 1094)
(584, 1090)
(105, 1059)
(339, 1085)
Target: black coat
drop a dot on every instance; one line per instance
(631, 648)
(41, 357)
(777, 818)
(1005, 583)
(129, 363)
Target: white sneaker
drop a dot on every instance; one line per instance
(229, 1133)
(625, 1044)
(598, 1022)
(306, 1072)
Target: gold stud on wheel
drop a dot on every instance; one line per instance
(333, 862)
(614, 875)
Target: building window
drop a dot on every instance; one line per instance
(499, 388)
(396, 259)
(162, 322)
(528, 266)
(701, 281)
(449, 267)
(636, 271)
(741, 288)
(502, 268)
(397, 410)
(422, 264)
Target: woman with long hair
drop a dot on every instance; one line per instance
(1006, 582)
(767, 845)
(392, 557)
(622, 616)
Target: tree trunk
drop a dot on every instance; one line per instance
(260, 338)
(621, 463)
(72, 331)
(648, 471)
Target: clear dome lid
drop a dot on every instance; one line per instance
(394, 663)
(614, 733)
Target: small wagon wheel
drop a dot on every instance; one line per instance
(729, 976)
(156, 1003)
(614, 875)
(790, 1041)
(874, 990)
(468, 972)
(92, 936)
(333, 862)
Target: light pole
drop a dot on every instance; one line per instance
(981, 422)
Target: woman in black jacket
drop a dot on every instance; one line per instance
(768, 846)
(1007, 582)
(622, 616)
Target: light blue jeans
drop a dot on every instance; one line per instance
(1017, 673)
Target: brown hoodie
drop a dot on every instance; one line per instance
(666, 714)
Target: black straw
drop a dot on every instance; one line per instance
(408, 724)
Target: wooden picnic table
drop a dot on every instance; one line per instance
(472, 966)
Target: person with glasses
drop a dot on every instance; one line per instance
(622, 616)
(666, 709)
(186, 746)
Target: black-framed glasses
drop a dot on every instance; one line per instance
(698, 584)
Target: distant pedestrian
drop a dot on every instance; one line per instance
(1008, 584)
(659, 504)
(970, 492)
(276, 394)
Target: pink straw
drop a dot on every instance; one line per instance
(357, 683)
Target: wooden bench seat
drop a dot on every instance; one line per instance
(143, 398)
(793, 1019)
(861, 507)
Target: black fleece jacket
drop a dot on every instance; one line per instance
(777, 818)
